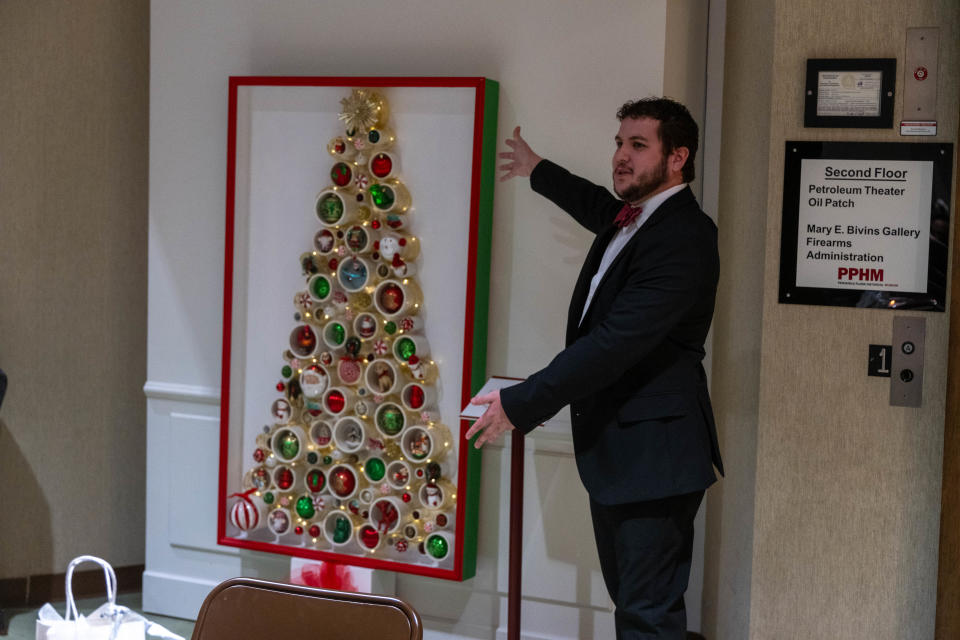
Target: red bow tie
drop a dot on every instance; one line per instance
(627, 215)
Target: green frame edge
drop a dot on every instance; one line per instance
(478, 374)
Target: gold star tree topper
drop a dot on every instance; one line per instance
(362, 109)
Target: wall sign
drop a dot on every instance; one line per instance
(850, 93)
(866, 224)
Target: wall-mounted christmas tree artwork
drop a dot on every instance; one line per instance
(358, 456)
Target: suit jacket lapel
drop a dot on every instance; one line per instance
(587, 271)
(678, 199)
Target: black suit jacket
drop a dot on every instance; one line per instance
(631, 372)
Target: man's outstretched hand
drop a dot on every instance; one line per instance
(522, 159)
(493, 422)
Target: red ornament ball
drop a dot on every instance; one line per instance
(314, 531)
(333, 263)
(419, 473)
(298, 530)
(280, 386)
(401, 545)
(375, 224)
(335, 401)
(391, 298)
(259, 455)
(369, 536)
(381, 165)
(284, 478)
(406, 497)
(305, 338)
(402, 242)
(441, 520)
(417, 396)
(343, 482)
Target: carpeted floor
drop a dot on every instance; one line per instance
(22, 621)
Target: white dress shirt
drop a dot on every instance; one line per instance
(623, 236)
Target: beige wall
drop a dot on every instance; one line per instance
(73, 238)
(827, 524)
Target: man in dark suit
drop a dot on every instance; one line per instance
(643, 431)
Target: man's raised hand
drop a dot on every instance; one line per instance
(522, 159)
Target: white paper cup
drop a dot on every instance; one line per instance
(335, 207)
(394, 298)
(289, 444)
(304, 340)
(360, 238)
(365, 326)
(340, 148)
(279, 521)
(321, 434)
(283, 478)
(406, 345)
(354, 273)
(416, 397)
(382, 377)
(390, 419)
(389, 196)
(436, 495)
(325, 241)
(398, 474)
(386, 514)
(338, 528)
(335, 335)
(382, 165)
(337, 401)
(315, 480)
(349, 434)
(435, 549)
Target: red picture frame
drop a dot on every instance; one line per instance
(481, 167)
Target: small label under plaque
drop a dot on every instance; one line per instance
(918, 127)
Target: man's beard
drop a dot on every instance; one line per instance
(645, 184)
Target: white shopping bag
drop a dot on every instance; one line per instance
(110, 621)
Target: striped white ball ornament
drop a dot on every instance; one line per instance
(244, 515)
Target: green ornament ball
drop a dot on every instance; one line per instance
(268, 497)
(341, 530)
(437, 547)
(289, 445)
(390, 327)
(406, 348)
(286, 372)
(327, 459)
(375, 469)
(320, 288)
(382, 196)
(391, 421)
(305, 507)
(336, 333)
(312, 457)
(330, 208)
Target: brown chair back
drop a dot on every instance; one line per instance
(252, 609)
